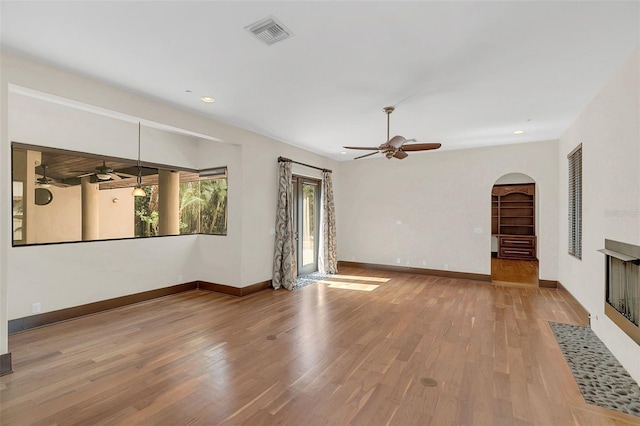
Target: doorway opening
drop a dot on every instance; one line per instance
(306, 220)
(514, 259)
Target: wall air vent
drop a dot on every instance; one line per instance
(269, 31)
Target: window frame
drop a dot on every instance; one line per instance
(575, 200)
(212, 172)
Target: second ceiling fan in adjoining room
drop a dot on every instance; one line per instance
(104, 173)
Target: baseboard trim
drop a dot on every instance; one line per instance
(5, 364)
(234, 291)
(547, 283)
(48, 318)
(579, 312)
(34, 321)
(418, 271)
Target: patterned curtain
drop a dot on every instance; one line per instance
(284, 260)
(328, 263)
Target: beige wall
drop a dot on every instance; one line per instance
(116, 218)
(609, 131)
(60, 220)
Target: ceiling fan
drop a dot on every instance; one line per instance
(396, 146)
(105, 173)
(44, 181)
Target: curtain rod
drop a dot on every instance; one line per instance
(288, 160)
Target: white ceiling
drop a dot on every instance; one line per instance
(466, 74)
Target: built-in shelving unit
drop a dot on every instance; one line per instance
(513, 212)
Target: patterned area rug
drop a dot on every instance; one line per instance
(599, 375)
(305, 280)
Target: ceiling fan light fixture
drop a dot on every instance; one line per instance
(44, 181)
(103, 176)
(518, 132)
(138, 192)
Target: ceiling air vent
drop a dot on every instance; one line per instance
(269, 31)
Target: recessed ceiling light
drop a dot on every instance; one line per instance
(518, 132)
(207, 99)
(343, 152)
(188, 92)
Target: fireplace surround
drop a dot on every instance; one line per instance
(622, 286)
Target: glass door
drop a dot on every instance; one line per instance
(306, 217)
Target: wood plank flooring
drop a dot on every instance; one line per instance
(514, 272)
(328, 354)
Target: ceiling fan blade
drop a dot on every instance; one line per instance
(361, 147)
(421, 146)
(400, 154)
(366, 155)
(84, 174)
(124, 175)
(396, 141)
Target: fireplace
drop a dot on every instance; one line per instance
(622, 286)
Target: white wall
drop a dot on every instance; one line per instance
(514, 178)
(609, 130)
(60, 276)
(6, 220)
(439, 198)
(67, 275)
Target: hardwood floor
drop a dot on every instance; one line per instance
(518, 272)
(329, 353)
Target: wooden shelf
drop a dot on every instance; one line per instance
(513, 220)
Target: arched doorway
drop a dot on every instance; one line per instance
(514, 231)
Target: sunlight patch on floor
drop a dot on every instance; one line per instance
(350, 286)
(360, 278)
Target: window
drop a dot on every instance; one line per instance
(203, 202)
(202, 205)
(61, 196)
(575, 202)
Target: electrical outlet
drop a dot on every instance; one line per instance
(398, 260)
(408, 263)
(36, 308)
(179, 279)
(446, 266)
(424, 263)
